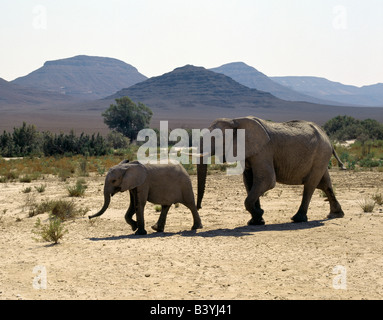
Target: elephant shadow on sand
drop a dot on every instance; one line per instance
(235, 232)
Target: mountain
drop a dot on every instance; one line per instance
(191, 86)
(187, 97)
(83, 77)
(193, 97)
(325, 89)
(15, 96)
(252, 78)
(374, 91)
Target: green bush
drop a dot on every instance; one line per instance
(78, 190)
(27, 141)
(344, 128)
(62, 209)
(53, 231)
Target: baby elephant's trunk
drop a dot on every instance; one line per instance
(106, 205)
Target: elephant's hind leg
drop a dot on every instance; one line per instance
(160, 224)
(301, 215)
(197, 224)
(326, 186)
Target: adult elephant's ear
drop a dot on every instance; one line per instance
(256, 134)
(134, 176)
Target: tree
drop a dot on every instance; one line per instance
(117, 140)
(127, 118)
(346, 128)
(26, 140)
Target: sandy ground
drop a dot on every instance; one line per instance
(321, 259)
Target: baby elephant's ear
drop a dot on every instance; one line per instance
(134, 176)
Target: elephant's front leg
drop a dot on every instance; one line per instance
(160, 225)
(253, 206)
(263, 180)
(141, 201)
(132, 210)
(248, 180)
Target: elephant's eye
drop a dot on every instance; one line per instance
(114, 181)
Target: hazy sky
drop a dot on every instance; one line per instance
(341, 40)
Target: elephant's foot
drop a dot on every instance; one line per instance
(197, 226)
(141, 232)
(336, 215)
(256, 219)
(253, 222)
(299, 217)
(133, 224)
(155, 227)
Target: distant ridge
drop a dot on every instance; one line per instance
(14, 96)
(61, 96)
(83, 77)
(192, 86)
(325, 89)
(252, 78)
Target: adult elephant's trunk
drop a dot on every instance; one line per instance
(201, 177)
(106, 205)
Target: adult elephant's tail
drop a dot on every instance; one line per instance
(340, 163)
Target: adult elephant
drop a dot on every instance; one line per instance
(294, 153)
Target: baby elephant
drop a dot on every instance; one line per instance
(162, 184)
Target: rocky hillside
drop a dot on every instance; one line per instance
(15, 96)
(191, 86)
(252, 78)
(335, 91)
(83, 77)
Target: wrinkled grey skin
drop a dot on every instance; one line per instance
(162, 184)
(294, 153)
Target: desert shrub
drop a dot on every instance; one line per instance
(25, 179)
(41, 188)
(378, 198)
(53, 231)
(83, 167)
(27, 190)
(117, 140)
(63, 167)
(370, 162)
(36, 209)
(62, 209)
(9, 176)
(367, 205)
(2, 214)
(78, 189)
